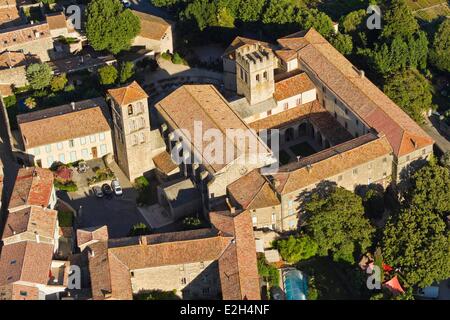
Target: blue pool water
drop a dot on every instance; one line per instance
(295, 285)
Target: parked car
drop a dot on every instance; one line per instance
(106, 189)
(115, 185)
(82, 167)
(126, 3)
(97, 192)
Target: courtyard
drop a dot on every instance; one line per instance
(291, 152)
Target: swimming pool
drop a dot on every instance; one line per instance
(295, 284)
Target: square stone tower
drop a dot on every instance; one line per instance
(255, 72)
(129, 105)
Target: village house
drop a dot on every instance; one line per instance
(30, 241)
(68, 133)
(213, 263)
(155, 35)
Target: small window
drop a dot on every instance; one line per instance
(83, 140)
(346, 111)
(132, 274)
(257, 77)
(48, 148)
(346, 125)
(384, 159)
(202, 265)
(71, 143)
(183, 281)
(299, 101)
(286, 105)
(182, 268)
(355, 171)
(340, 178)
(130, 109)
(23, 293)
(408, 158)
(101, 136)
(335, 115)
(59, 146)
(269, 112)
(265, 75)
(92, 138)
(13, 262)
(357, 122)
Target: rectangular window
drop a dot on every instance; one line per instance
(254, 220)
(37, 151)
(265, 75)
(84, 153)
(269, 112)
(299, 101)
(103, 149)
(49, 161)
(340, 178)
(286, 105)
(48, 148)
(62, 158)
(101, 136)
(23, 293)
(290, 203)
(183, 280)
(73, 156)
(83, 140)
(71, 143)
(355, 172)
(257, 77)
(59, 146)
(92, 138)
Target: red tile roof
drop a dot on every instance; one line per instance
(152, 27)
(23, 34)
(361, 95)
(238, 42)
(190, 105)
(292, 86)
(36, 220)
(253, 191)
(25, 261)
(128, 94)
(33, 186)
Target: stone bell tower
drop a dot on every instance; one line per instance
(131, 121)
(255, 72)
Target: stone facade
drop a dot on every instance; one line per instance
(132, 136)
(198, 280)
(255, 73)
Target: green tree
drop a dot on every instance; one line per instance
(343, 43)
(294, 249)
(109, 26)
(337, 223)
(250, 10)
(58, 82)
(399, 20)
(416, 241)
(126, 71)
(202, 11)
(373, 202)
(107, 75)
(440, 51)
(431, 188)
(280, 11)
(316, 19)
(139, 229)
(225, 18)
(268, 271)
(39, 75)
(352, 21)
(411, 91)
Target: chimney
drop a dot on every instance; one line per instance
(230, 207)
(298, 158)
(72, 104)
(309, 168)
(361, 74)
(38, 240)
(143, 240)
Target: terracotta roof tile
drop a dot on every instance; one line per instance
(164, 162)
(192, 104)
(10, 59)
(33, 186)
(36, 220)
(152, 27)
(88, 234)
(23, 34)
(292, 86)
(128, 94)
(361, 95)
(56, 21)
(253, 191)
(61, 127)
(286, 54)
(330, 162)
(25, 261)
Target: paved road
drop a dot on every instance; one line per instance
(441, 141)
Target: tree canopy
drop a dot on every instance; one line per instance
(431, 188)
(398, 19)
(411, 91)
(338, 225)
(440, 53)
(107, 75)
(417, 242)
(294, 249)
(39, 75)
(126, 71)
(109, 26)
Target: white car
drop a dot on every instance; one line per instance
(115, 185)
(126, 3)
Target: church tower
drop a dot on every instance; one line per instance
(129, 107)
(255, 72)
